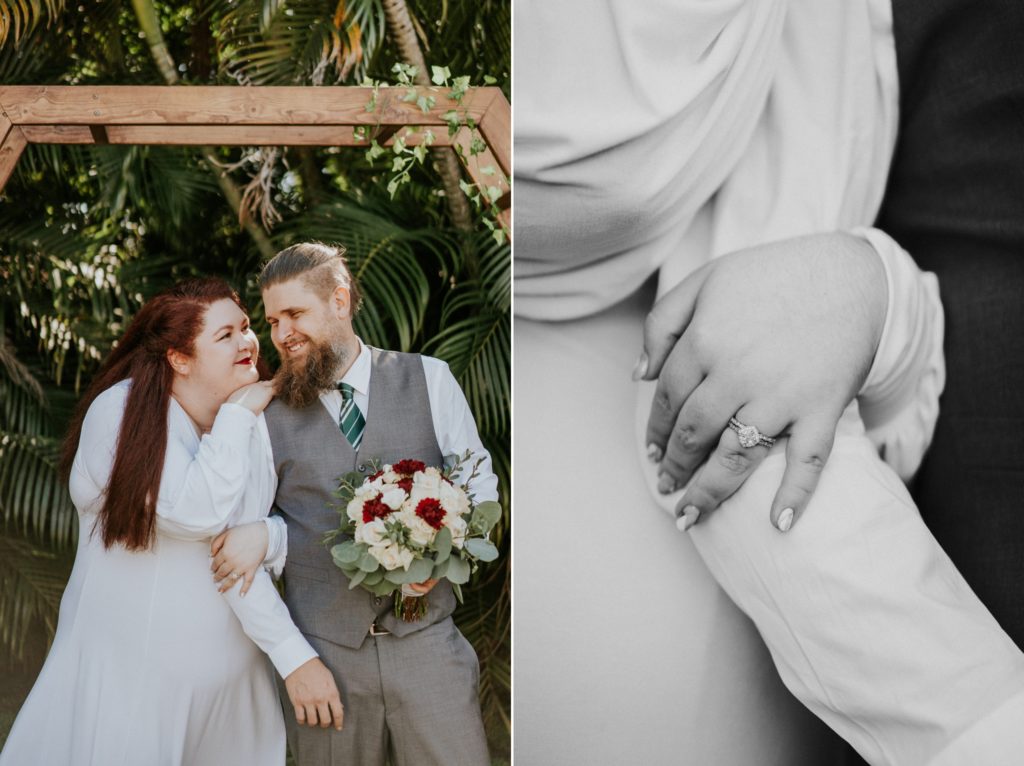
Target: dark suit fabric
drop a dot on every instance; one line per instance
(955, 201)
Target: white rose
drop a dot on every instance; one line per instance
(453, 499)
(365, 491)
(355, 509)
(458, 526)
(393, 498)
(419, 530)
(429, 480)
(392, 556)
(373, 534)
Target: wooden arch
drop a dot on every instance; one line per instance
(257, 116)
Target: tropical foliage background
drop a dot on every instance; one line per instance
(87, 233)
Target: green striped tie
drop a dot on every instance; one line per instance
(351, 421)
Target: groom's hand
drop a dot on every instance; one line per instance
(315, 696)
(780, 337)
(423, 588)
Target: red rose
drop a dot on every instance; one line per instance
(405, 484)
(409, 467)
(430, 510)
(374, 509)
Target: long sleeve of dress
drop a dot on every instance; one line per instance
(207, 485)
(201, 489)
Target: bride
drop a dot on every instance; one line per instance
(650, 138)
(150, 664)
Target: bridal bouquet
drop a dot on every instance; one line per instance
(408, 523)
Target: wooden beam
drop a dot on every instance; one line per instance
(496, 129)
(483, 167)
(11, 147)
(216, 135)
(5, 126)
(485, 170)
(227, 105)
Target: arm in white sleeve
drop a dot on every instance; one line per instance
(266, 620)
(455, 427)
(200, 491)
(869, 623)
(277, 545)
(899, 401)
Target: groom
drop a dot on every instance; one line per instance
(409, 688)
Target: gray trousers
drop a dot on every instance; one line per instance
(411, 701)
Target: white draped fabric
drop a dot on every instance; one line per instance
(651, 137)
(150, 664)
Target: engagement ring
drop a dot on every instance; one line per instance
(749, 435)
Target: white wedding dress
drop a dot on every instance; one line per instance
(150, 664)
(651, 137)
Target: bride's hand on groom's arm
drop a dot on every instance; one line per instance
(314, 695)
(238, 553)
(780, 337)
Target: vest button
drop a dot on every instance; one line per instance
(378, 601)
(362, 468)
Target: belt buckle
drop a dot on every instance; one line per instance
(376, 630)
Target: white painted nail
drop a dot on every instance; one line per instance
(785, 520)
(691, 515)
(666, 484)
(654, 453)
(640, 369)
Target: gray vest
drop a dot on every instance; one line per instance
(310, 455)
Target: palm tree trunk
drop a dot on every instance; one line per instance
(149, 22)
(400, 26)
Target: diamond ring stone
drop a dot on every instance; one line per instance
(749, 435)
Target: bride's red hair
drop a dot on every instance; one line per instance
(170, 320)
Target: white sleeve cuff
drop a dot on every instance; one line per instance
(277, 545)
(899, 401)
(291, 654)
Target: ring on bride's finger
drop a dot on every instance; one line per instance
(749, 435)
(235, 575)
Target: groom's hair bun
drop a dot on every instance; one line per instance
(321, 267)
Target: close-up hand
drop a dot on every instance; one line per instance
(422, 588)
(314, 695)
(780, 337)
(237, 555)
(255, 396)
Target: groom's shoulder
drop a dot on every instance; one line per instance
(433, 368)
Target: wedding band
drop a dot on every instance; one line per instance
(749, 435)
(235, 575)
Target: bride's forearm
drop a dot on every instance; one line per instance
(868, 622)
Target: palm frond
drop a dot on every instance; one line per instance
(33, 499)
(18, 18)
(390, 263)
(266, 42)
(32, 581)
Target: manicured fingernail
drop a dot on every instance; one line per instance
(786, 520)
(666, 484)
(641, 366)
(655, 453)
(690, 516)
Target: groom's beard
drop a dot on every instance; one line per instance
(300, 382)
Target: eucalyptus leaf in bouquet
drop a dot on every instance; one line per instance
(408, 523)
